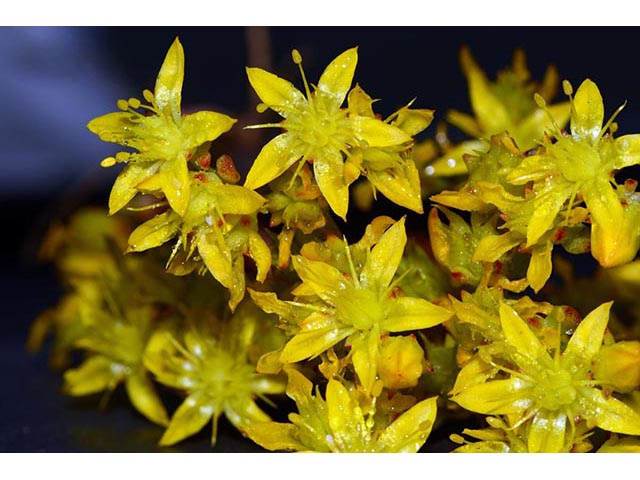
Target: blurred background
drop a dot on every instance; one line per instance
(53, 80)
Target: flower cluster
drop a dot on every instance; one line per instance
(466, 315)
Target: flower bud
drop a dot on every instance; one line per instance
(401, 361)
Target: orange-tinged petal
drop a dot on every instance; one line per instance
(273, 160)
(336, 79)
(168, 89)
(588, 111)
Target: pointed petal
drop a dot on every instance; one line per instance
(475, 372)
(144, 397)
(115, 127)
(273, 160)
(154, 232)
(190, 417)
(587, 339)
(547, 432)
(534, 126)
(325, 280)
(261, 254)
(329, 173)
(360, 103)
(409, 313)
(125, 186)
(311, 344)
(175, 183)
(217, 257)
(586, 121)
(204, 126)
(611, 414)
(400, 185)
(376, 133)
(497, 397)
(492, 247)
(465, 122)
(364, 348)
(275, 92)
(92, 376)
(546, 206)
(168, 89)
(410, 430)
(274, 436)
(628, 149)
(489, 110)
(384, 258)
(540, 266)
(518, 334)
(236, 200)
(336, 79)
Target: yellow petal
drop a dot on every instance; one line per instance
(234, 199)
(412, 121)
(546, 206)
(534, 126)
(384, 258)
(125, 186)
(325, 280)
(190, 417)
(465, 122)
(400, 185)
(204, 126)
(92, 376)
(452, 162)
(345, 419)
(261, 254)
(217, 257)
(497, 397)
(273, 160)
(518, 334)
(611, 414)
(274, 436)
(376, 133)
(144, 397)
(492, 247)
(475, 372)
(540, 266)
(360, 102)
(411, 429)
(460, 200)
(628, 151)
(115, 127)
(336, 79)
(154, 232)
(408, 313)
(274, 91)
(547, 431)
(311, 344)
(588, 111)
(168, 89)
(329, 173)
(619, 365)
(176, 184)
(587, 339)
(364, 348)
(489, 110)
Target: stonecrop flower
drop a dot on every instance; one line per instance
(215, 372)
(550, 394)
(165, 139)
(220, 223)
(317, 130)
(359, 307)
(339, 423)
(580, 165)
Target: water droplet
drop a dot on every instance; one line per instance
(451, 162)
(429, 170)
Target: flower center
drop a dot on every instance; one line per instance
(577, 159)
(320, 126)
(555, 389)
(361, 308)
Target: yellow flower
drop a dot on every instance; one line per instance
(338, 424)
(214, 372)
(164, 140)
(360, 307)
(220, 222)
(317, 129)
(551, 394)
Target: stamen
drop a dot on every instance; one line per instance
(541, 103)
(297, 59)
(354, 275)
(610, 122)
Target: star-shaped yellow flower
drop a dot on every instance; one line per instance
(550, 394)
(317, 129)
(165, 140)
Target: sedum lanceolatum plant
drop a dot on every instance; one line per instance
(223, 296)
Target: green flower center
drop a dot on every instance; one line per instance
(361, 308)
(578, 161)
(555, 389)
